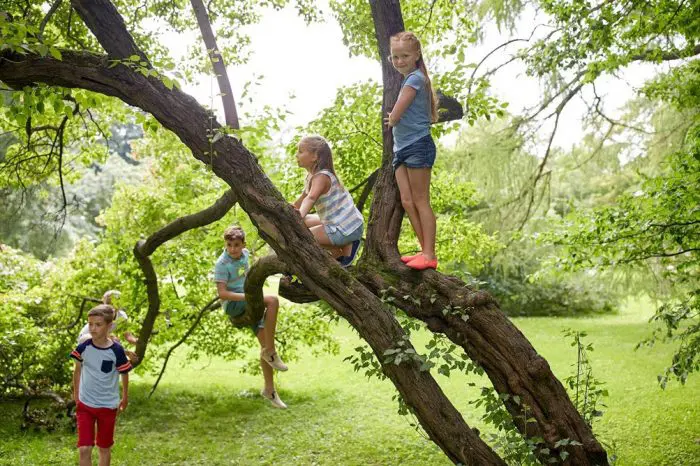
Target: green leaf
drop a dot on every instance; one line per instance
(55, 53)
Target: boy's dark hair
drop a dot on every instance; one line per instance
(234, 232)
(103, 310)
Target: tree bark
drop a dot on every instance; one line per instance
(217, 62)
(386, 213)
(489, 338)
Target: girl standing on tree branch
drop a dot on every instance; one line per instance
(414, 149)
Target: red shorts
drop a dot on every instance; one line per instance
(87, 417)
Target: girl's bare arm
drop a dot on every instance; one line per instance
(406, 96)
(319, 185)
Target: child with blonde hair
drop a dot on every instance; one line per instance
(99, 364)
(111, 298)
(414, 149)
(337, 224)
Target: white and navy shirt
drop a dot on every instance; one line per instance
(336, 207)
(99, 373)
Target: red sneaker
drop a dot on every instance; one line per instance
(421, 263)
(407, 259)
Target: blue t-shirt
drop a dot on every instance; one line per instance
(415, 121)
(99, 373)
(232, 272)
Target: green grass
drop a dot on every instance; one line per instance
(208, 413)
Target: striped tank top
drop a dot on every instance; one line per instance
(336, 207)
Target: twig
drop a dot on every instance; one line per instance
(207, 307)
(46, 19)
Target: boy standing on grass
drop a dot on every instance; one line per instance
(98, 363)
(229, 274)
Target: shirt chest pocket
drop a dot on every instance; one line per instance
(107, 366)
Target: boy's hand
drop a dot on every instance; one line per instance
(123, 404)
(389, 120)
(133, 357)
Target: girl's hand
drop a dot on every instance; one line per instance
(389, 120)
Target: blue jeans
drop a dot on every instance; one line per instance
(420, 154)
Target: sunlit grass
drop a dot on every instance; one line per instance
(208, 413)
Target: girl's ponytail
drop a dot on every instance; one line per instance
(429, 89)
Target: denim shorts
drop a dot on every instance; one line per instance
(338, 238)
(420, 154)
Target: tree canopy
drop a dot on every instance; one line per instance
(74, 70)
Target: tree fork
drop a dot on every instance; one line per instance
(488, 337)
(267, 210)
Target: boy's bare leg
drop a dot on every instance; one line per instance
(85, 456)
(266, 369)
(105, 456)
(272, 305)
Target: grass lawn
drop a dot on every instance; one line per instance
(210, 414)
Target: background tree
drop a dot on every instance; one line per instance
(26, 61)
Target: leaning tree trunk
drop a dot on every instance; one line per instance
(487, 336)
(511, 363)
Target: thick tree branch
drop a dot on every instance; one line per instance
(282, 228)
(103, 19)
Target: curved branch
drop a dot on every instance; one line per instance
(652, 55)
(144, 248)
(213, 304)
(79, 317)
(189, 222)
(254, 283)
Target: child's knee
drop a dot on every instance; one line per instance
(422, 203)
(85, 450)
(407, 202)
